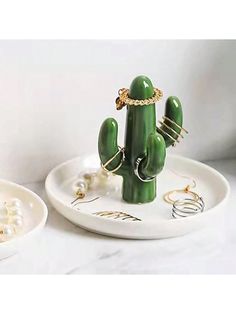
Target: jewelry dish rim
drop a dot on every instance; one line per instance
(206, 213)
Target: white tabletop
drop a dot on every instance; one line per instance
(62, 248)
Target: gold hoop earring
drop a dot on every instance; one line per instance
(186, 190)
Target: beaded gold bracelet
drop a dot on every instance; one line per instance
(124, 99)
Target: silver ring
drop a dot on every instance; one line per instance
(136, 171)
(187, 207)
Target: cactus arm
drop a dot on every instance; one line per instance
(154, 161)
(174, 112)
(107, 143)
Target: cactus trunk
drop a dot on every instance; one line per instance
(140, 123)
(141, 141)
(138, 192)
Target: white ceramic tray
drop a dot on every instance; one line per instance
(35, 215)
(156, 216)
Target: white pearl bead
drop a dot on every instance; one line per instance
(89, 178)
(7, 230)
(15, 202)
(17, 221)
(103, 174)
(16, 211)
(80, 185)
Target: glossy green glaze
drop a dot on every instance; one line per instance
(141, 140)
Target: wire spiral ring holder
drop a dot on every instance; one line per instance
(187, 207)
(170, 131)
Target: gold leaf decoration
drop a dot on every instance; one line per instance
(116, 215)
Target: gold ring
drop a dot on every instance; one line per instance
(120, 150)
(173, 122)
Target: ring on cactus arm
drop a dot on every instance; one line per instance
(136, 171)
(163, 124)
(124, 99)
(104, 166)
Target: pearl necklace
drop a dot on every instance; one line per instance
(11, 218)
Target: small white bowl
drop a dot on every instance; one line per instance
(35, 215)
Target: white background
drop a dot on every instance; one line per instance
(54, 96)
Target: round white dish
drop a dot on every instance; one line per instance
(156, 216)
(35, 215)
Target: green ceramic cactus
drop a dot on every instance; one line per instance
(142, 140)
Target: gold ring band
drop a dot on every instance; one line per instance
(173, 122)
(120, 150)
(171, 129)
(167, 134)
